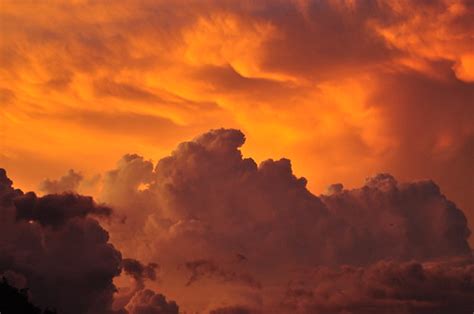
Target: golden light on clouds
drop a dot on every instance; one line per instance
(344, 89)
(80, 79)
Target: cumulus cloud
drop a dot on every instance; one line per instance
(55, 248)
(55, 210)
(241, 201)
(67, 183)
(205, 204)
(388, 287)
(121, 185)
(149, 302)
(126, 189)
(43, 240)
(401, 220)
(343, 88)
(443, 146)
(240, 229)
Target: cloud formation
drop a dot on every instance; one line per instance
(343, 89)
(52, 246)
(387, 287)
(138, 271)
(55, 210)
(329, 84)
(203, 268)
(233, 310)
(229, 235)
(241, 201)
(230, 221)
(405, 220)
(67, 183)
(43, 238)
(148, 302)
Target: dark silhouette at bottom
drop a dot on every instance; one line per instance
(14, 301)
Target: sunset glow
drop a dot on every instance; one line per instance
(344, 89)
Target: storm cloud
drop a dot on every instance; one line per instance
(230, 221)
(388, 287)
(343, 90)
(53, 246)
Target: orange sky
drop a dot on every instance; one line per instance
(344, 89)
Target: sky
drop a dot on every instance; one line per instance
(308, 105)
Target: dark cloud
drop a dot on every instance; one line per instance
(67, 183)
(69, 267)
(205, 203)
(54, 248)
(430, 118)
(324, 39)
(401, 221)
(236, 309)
(385, 287)
(139, 271)
(13, 300)
(241, 201)
(55, 210)
(208, 269)
(148, 302)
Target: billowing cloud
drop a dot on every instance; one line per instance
(241, 201)
(67, 183)
(148, 302)
(126, 189)
(343, 89)
(229, 235)
(388, 287)
(444, 143)
(236, 226)
(405, 220)
(52, 246)
(43, 240)
(55, 210)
